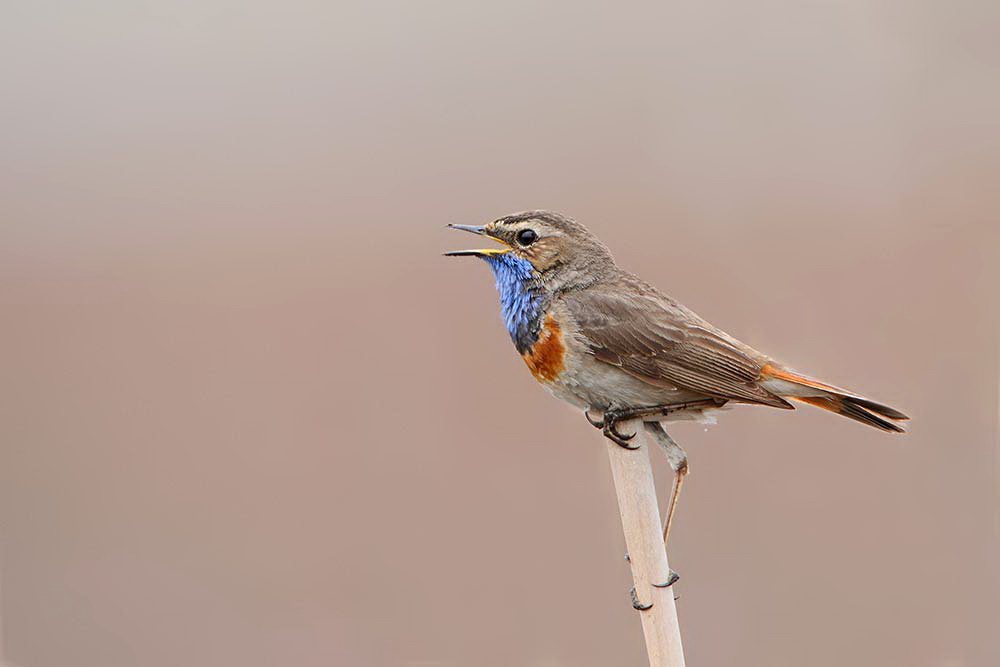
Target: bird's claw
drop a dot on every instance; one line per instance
(614, 435)
(608, 423)
(671, 580)
(593, 422)
(638, 606)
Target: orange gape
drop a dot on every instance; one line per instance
(545, 358)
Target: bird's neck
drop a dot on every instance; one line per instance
(521, 298)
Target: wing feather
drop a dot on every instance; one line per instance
(652, 337)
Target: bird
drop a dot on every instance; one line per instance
(604, 340)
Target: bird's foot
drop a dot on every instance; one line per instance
(620, 439)
(638, 606)
(609, 427)
(671, 580)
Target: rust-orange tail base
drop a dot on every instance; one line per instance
(838, 400)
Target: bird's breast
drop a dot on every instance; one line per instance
(547, 355)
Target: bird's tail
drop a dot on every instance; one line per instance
(800, 388)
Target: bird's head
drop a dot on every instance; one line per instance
(559, 251)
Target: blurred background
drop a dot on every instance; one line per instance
(250, 416)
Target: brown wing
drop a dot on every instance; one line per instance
(654, 338)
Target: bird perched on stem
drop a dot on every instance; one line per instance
(604, 340)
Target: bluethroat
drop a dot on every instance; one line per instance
(602, 339)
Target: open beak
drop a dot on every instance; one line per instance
(482, 252)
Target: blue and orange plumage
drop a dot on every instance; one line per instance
(602, 339)
(536, 334)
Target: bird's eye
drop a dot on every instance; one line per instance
(526, 236)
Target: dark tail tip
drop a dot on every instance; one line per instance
(879, 408)
(866, 415)
(858, 410)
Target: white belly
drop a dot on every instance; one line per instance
(591, 384)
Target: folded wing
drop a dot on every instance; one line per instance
(656, 339)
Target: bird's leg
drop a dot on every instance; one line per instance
(679, 476)
(650, 411)
(608, 423)
(678, 463)
(668, 408)
(675, 456)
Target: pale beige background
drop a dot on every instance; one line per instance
(249, 416)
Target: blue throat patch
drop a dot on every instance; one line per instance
(520, 306)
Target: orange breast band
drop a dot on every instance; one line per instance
(545, 358)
